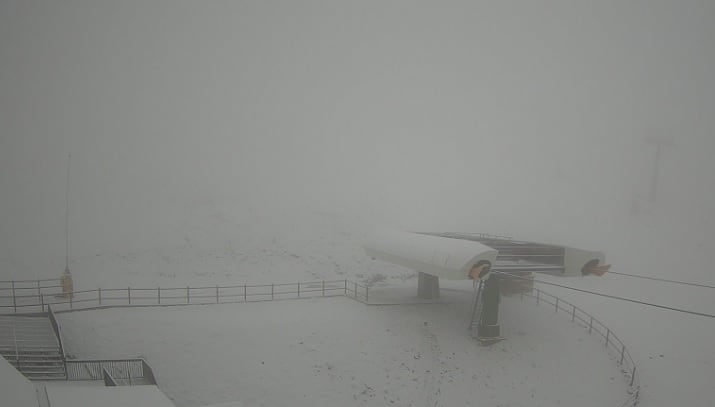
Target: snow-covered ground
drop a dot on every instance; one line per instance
(200, 134)
(335, 351)
(672, 350)
(222, 244)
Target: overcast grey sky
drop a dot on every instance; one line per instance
(446, 115)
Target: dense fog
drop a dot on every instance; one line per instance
(535, 120)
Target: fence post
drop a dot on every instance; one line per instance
(99, 295)
(158, 295)
(299, 289)
(38, 288)
(573, 314)
(623, 352)
(346, 287)
(557, 305)
(188, 298)
(245, 294)
(216, 294)
(323, 287)
(42, 298)
(271, 291)
(129, 295)
(608, 333)
(633, 375)
(14, 301)
(590, 324)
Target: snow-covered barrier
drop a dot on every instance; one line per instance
(438, 256)
(17, 391)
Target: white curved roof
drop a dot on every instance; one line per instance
(435, 255)
(16, 390)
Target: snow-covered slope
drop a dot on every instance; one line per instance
(219, 244)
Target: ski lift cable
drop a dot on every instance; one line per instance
(665, 280)
(615, 297)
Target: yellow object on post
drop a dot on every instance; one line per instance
(67, 286)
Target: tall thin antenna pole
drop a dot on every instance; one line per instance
(67, 217)
(66, 280)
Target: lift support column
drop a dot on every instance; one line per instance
(488, 329)
(427, 286)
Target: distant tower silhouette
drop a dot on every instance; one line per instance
(66, 280)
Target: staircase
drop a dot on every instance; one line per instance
(29, 343)
(476, 309)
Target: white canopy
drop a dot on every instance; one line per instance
(439, 256)
(16, 390)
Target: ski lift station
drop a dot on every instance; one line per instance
(497, 263)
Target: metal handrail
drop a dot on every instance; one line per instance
(92, 369)
(583, 318)
(350, 289)
(477, 305)
(120, 297)
(14, 339)
(29, 281)
(58, 332)
(108, 379)
(148, 372)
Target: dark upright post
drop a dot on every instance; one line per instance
(489, 325)
(427, 286)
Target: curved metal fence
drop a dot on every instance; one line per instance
(40, 301)
(612, 343)
(15, 293)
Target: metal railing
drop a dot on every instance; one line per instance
(612, 343)
(357, 291)
(8, 285)
(148, 373)
(131, 371)
(165, 296)
(16, 292)
(136, 369)
(56, 328)
(108, 379)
